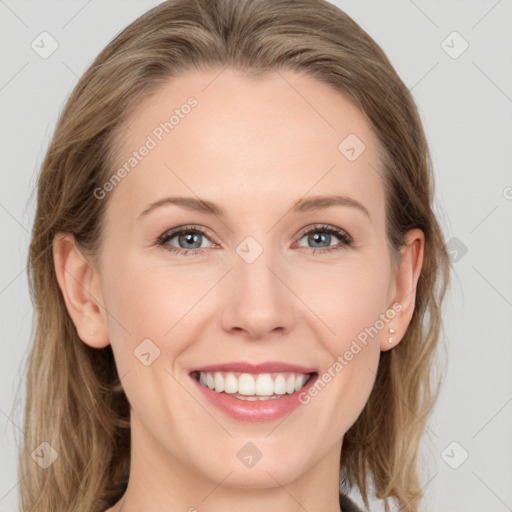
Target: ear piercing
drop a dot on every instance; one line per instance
(391, 331)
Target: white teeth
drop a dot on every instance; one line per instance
(290, 384)
(230, 383)
(300, 382)
(264, 385)
(279, 385)
(246, 384)
(251, 387)
(219, 382)
(254, 398)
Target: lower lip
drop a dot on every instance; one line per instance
(258, 410)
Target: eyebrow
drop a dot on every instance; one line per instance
(299, 206)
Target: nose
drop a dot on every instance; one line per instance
(258, 302)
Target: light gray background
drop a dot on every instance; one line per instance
(466, 106)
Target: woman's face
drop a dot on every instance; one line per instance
(266, 281)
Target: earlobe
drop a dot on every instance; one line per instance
(79, 283)
(406, 280)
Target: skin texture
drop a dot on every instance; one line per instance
(254, 147)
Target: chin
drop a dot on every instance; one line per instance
(258, 478)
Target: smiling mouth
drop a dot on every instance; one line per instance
(253, 387)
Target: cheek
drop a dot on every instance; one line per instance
(362, 299)
(142, 307)
(350, 301)
(148, 300)
(147, 323)
(348, 297)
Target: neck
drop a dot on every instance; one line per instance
(163, 481)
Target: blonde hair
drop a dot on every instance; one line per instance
(75, 400)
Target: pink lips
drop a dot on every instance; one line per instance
(258, 410)
(243, 367)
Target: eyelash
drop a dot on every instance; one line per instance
(346, 239)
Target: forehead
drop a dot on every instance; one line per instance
(247, 142)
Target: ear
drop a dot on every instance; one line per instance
(80, 286)
(405, 281)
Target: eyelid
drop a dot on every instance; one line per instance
(171, 233)
(339, 232)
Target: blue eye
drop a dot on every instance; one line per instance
(324, 234)
(186, 235)
(189, 239)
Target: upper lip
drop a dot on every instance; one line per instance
(246, 367)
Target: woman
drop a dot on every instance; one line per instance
(291, 345)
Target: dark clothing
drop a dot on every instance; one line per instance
(347, 505)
